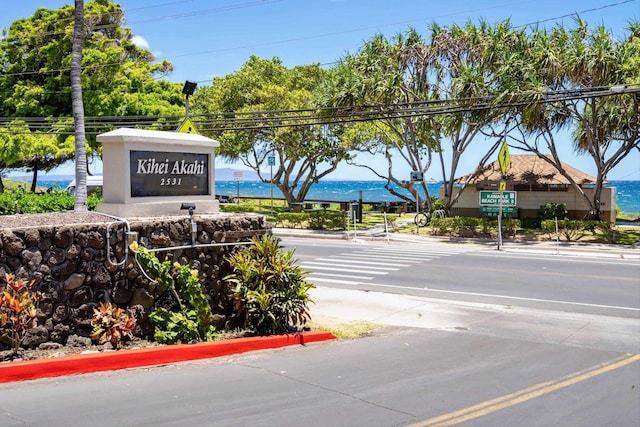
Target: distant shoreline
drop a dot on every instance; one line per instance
(627, 195)
(22, 178)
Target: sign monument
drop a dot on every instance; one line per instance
(152, 173)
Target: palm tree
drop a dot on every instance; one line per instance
(576, 61)
(78, 108)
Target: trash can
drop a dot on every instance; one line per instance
(356, 213)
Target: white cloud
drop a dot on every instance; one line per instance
(140, 42)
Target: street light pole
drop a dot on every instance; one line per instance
(188, 89)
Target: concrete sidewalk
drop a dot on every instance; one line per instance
(378, 234)
(343, 306)
(340, 306)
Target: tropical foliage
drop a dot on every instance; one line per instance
(192, 321)
(570, 78)
(477, 84)
(303, 153)
(270, 292)
(18, 310)
(390, 73)
(118, 79)
(20, 201)
(112, 324)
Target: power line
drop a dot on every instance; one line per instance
(159, 18)
(205, 12)
(284, 41)
(568, 15)
(273, 119)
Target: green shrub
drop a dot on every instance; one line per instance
(467, 224)
(552, 211)
(511, 226)
(574, 229)
(269, 292)
(193, 320)
(236, 208)
(20, 201)
(442, 226)
(530, 223)
(486, 224)
(94, 199)
(292, 219)
(326, 219)
(437, 204)
(316, 220)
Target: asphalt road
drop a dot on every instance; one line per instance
(396, 377)
(477, 273)
(464, 362)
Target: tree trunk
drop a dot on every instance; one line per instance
(34, 181)
(78, 108)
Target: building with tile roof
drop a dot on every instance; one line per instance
(536, 183)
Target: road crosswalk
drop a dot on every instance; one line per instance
(351, 268)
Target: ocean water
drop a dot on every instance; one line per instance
(627, 194)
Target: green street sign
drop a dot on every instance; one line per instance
(271, 160)
(496, 209)
(492, 198)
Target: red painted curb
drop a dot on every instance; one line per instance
(114, 360)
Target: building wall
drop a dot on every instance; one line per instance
(528, 202)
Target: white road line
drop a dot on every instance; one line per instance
(584, 304)
(325, 280)
(349, 270)
(575, 257)
(580, 304)
(350, 276)
(346, 264)
(386, 258)
(411, 251)
(354, 261)
(369, 261)
(418, 257)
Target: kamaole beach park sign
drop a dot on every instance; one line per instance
(493, 198)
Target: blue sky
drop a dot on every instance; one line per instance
(205, 38)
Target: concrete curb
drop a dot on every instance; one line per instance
(546, 248)
(151, 356)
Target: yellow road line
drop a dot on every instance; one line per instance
(523, 395)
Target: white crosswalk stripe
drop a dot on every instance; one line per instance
(351, 268)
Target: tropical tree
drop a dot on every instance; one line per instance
(21, 148)
(118, 78)
(433, 96)
(607, 127)
(384, 77)
(576, 79)
(264, 90)
(462, 81)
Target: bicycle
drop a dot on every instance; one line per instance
(423, 218)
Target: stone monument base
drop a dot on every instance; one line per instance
(157, 209)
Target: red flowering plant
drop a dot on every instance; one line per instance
(18, 310)
(111, 324)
